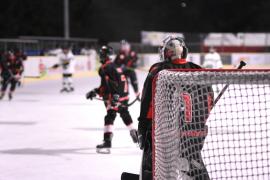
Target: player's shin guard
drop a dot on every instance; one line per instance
(70, 84)
(10, 95)
(65, 85)
(2, 94)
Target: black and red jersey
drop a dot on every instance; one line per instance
(11, 65)
(129, 59)
(113, 81)
(20, 55)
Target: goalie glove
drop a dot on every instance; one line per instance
(91, 94)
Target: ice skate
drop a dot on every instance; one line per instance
(10, 96)
(63, 90)
(71, 89)
(134, 135)
(104, 148)
(2, 95)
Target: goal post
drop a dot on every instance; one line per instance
(195, 139)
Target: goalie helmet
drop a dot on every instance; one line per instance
(105, 54)
(173, 48)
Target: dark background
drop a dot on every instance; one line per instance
(113, 20)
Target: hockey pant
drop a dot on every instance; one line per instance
(122, 110)
(131, 74)
(67, 81)
(6, 81)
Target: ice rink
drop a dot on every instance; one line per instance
(46, 135)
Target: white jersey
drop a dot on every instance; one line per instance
(212, 61)
(67, 62)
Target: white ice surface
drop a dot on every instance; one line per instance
(46, 135)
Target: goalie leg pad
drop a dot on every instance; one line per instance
(147, 158)
(191, 150)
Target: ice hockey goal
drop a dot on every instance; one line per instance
(195, 139)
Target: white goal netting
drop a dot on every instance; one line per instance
(195, 139)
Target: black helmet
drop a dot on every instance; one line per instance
(173, 48)
(105, 53)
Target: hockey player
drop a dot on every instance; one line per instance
(20, 56)
(127, 59)
(173, 56)
(212, 60)
(67, 62)
(113, 89)
(11, 70)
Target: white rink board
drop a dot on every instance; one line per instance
(34, 66)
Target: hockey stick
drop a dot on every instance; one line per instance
(241, 65)
(12, 76)
(130, 104)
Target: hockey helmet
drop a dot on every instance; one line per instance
(65, 49)
(124, 46)
(173, 48)
(212, 49)
(105, 53)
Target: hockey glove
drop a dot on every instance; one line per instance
(17, 77)
(55, 66)
(91, 94)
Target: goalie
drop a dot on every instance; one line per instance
(173, 56)
(114, 91)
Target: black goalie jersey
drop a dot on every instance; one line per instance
(194, 96)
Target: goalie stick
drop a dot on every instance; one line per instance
(241, 65)
(129, 176)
